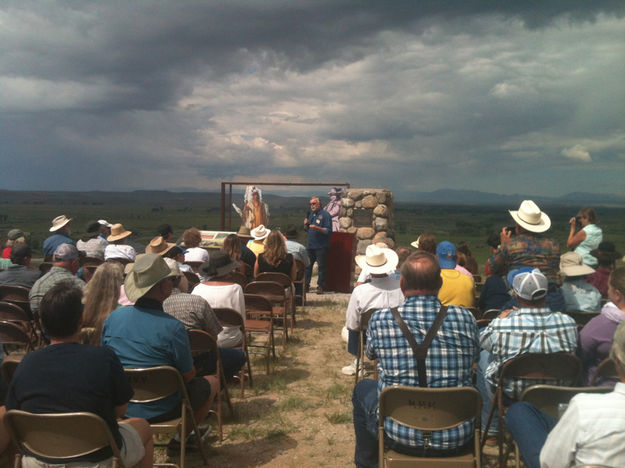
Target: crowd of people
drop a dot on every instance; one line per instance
(135, 309)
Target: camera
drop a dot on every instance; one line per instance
(510, 230)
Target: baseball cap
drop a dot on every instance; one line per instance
(446, 254)
(67, 252)
(530, 286)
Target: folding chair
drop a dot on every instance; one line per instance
(231, 318)
(12, 333)
(202, 342)
(156, 383)
(548, 398)
(236, 277)
(276, 294)
(562, 368)
(17, 295)
(606, 370)
(289, 288)
(362, 336)
(59, 435)
(9, 364)
(192, 279)
(89, 265)
(258, 322)
(490, 314)
(430, 409)
(87, 335)
(300, 283)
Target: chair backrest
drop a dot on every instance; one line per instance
(605, 370)
(561, 367)
(490, 314)
(229, 317)
(256, 304)
(154, 383)
(581, 317)
(300, 268)
(61, 435)
(201, 342)
(430, 409)
(365, 317)
(9, 364)
(266, 288)
(87, 335)
(13, 293)
(192, 279)
(276, 277)
(236, 277)
(14, 333)
(12, 312)
(548, 397)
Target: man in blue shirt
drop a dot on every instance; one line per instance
(319, 227)
(61, 229)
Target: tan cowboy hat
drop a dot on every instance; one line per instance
(571, 264)
(260, 232)
(159, 246)
(59, 222)
(529, 217)
(147, 271)
(118, 232)
(378, 260)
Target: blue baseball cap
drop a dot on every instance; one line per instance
(446, 254)
(516, 271)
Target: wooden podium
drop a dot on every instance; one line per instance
(340, 263)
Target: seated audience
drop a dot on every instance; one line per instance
(105, 229)
(449, 363)
(192, 238)
(117, 249)
(64, 267)
(196, 314)
(606, 256)
(143, 335)
(457, 288)
(257, 244)
(62, 230)
(165, 231)
(380, 292)
(275, 258)
(591, 432)
(20, 273)
(295, 248)
(577, 293)
(533, 328)
(494, 294)
(365, 276)
(67, 377)
(465, 258)
(101, 298)
(92, 244)
(493, 244)
(232, 246)
(426, 243)
(247, 256)
(220, 293)
(585, 235)
(596, 336)
(14, 237)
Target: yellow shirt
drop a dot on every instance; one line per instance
(457, 289)
(256, 246)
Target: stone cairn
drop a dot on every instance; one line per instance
(370, 206)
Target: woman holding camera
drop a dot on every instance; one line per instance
(587, 238)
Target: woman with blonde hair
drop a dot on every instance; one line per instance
(275, 258)
(100, 298)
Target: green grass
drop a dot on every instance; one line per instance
(296, 402)
(342, 417)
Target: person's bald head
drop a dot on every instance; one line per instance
(421, 275)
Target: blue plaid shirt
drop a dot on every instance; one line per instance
(529, 330)
(449, 362)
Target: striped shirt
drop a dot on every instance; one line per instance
(55, 276)
(449, 362)
(529, 330)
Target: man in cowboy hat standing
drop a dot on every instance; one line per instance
(61, 229)
(143, 335)
(379, 293)
(527, 246)
(319, 227)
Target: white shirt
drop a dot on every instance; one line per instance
(93, 248)
(380, 293)
(196, 254)
(590, 432)
(119, 251)
(227, 295)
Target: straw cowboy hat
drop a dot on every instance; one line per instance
(260, 232)
(148, 271)
(59, 222)
(571, 264)
(118, 232)
(378, 260)
(159, 246)
(529, 217)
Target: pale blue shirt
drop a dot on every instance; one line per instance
(579, 295)
(594, 236)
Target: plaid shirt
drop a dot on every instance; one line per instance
(529, 330)
(528, 250)
(449, 362)
(193, 311)
(48, 281)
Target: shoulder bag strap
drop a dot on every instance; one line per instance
(420, 351)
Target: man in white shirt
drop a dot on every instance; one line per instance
(590, 432)
(383, 291)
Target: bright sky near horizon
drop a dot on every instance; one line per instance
(514, 96)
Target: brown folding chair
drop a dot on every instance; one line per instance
(59, 435)
(236, 277)
(203, 342)
(490, 314)
(276, 294)
(156, 383)
(605, 370)
(259, 323)
(289, 288)
(12, 333)
(17, 295)
(430, 409)
(548, 399)
(192, 279)
(231, 318)
(13, 313)
(9, 364)
(362, 337)
(559, 368)
(300, 283)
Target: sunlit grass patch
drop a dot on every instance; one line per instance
(339, 417)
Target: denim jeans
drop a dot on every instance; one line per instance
(487, 391)
(320, 256)
(529, 427)
(365, 401)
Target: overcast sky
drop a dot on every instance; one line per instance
(513, 96)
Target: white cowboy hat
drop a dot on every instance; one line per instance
(378, 260)
(118, 232)
(260, 232)
(530, 217)
(59, 222)
(147, 271)
(571, 264)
